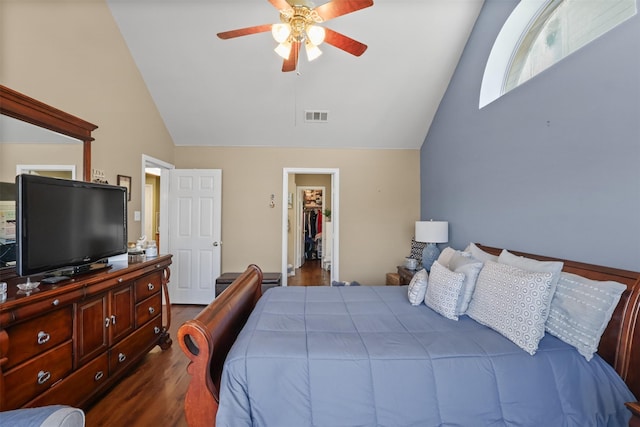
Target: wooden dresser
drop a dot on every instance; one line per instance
(67, 343)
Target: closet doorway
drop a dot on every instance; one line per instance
(310, 226)
(312, 263)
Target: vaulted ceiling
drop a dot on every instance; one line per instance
(213, 92)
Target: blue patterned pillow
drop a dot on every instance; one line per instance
(513, 302)
(581, 309)
(444, 290)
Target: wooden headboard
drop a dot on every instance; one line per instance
(620, 343)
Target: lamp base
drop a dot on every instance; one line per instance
(429, 255)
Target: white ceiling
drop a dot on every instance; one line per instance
(213, 92)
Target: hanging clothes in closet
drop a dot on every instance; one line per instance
(312, 228)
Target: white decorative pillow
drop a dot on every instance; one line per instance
(530, 264)
(479, 254)
(581, 309)
(462, 262)
(444, 290)
(445, 256)
(513, 302)
(418, 287)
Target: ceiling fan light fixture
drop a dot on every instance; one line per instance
(315, 34)
(283, 49)
(280, 32)
(313, 51)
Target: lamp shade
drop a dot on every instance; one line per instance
(280, 32)
(432, 231)
(315, 34)
(313, 51)
(284, 49)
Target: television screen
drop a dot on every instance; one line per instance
(63, 223)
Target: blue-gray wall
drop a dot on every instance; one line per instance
(553, 167)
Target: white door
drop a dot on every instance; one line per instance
(194, 234)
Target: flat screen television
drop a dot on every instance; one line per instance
(64, 224)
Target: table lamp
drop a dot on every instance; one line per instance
(431, 232)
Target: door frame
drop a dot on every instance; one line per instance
(151, 162)
(335, 216)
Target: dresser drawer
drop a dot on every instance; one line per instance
(76, 389)
(136, 344)
(35, 336)
(24, 382)
(148, 309)
(148, 285)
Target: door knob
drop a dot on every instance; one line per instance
(216, 243)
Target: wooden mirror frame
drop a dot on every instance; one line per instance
(22, 107)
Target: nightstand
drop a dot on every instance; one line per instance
(634, 407)
(405, 274)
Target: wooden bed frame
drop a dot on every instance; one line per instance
(207, 339)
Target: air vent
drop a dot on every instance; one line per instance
(316, 116)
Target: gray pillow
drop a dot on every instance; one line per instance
(479, 254)
(445, 256)
(443, 291)
(513, 302)
(581, 309)
(463, 262)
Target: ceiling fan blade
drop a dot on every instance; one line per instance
(343, 42)
(245, 31)
(280, 4)
(336, 8)
(292, 63)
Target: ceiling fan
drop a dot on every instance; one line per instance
(298, 27)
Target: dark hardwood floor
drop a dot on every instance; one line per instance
(153, 392)
(310, 274)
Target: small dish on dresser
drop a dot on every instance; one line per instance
(28, 285)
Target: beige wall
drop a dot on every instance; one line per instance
(379, 203)
(70, 55)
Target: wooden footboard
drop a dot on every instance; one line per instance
(207, 339)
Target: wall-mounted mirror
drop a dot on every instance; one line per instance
(31, 130)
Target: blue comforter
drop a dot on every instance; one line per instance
(363, 356)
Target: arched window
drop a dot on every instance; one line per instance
(540, 33)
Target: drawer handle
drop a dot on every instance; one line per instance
(156, 330)
(113, 319)
(150, 286)
(98, 376)
(43, 337)
(152, 310)
(55, 302)
(43, 377)
(121, 357)
(120, 279)
(107, 322)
